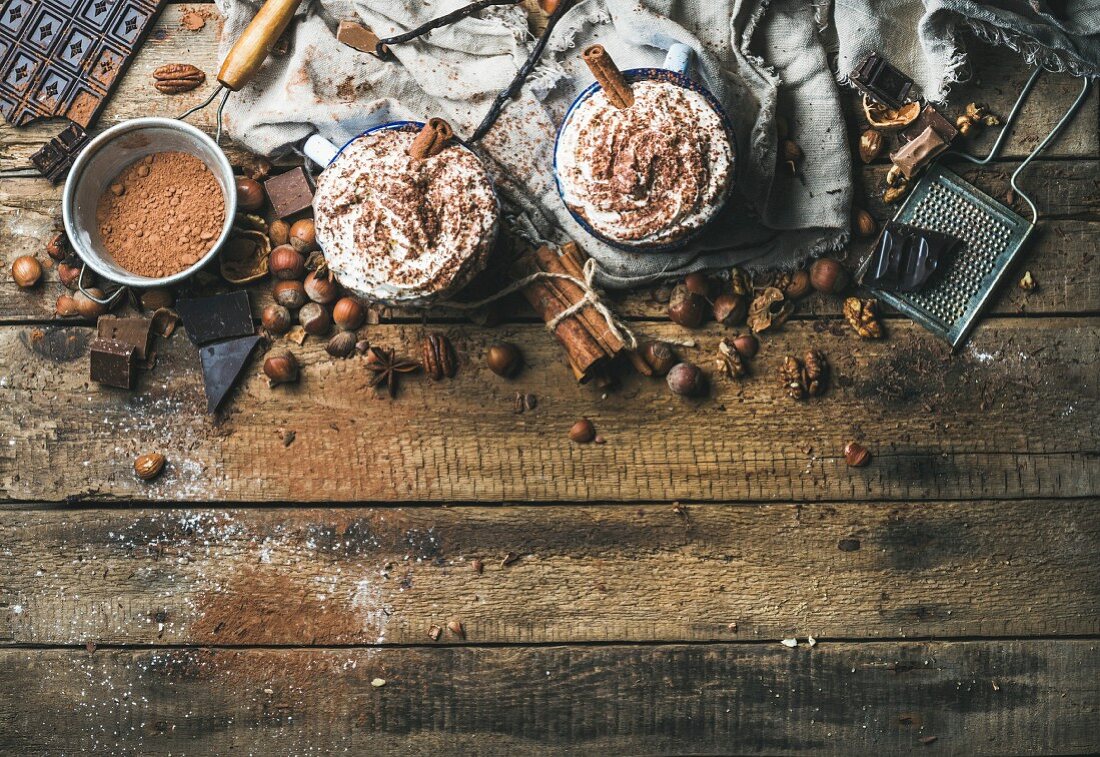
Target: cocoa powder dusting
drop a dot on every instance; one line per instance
(161, 215)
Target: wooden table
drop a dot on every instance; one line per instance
(633, 594)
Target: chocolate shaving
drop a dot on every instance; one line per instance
(432, 139)
(609, 76)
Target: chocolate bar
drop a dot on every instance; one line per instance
(221, 316)
(112, 363)
(133, 331)
(929, 117)
(290, 193)
(63, 57)
(359, 37)
(54, 159)
(222, 363)
(906, 257)
(880, 81)
(914, 156)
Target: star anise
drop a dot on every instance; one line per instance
(386, 367)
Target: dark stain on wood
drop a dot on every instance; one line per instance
(58, 345)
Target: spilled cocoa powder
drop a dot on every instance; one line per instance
(161, 215)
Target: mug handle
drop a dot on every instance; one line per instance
(320, 150)
(678, 58)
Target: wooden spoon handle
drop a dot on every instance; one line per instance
(255, 42)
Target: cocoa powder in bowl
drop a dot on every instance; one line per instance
(161, 215)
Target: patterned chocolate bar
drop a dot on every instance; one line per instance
(54, 159)
(63, 57)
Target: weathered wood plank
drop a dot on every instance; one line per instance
(1059, 256)
(1015, 415)
(966, 698)
(999, 75)
(592, 573)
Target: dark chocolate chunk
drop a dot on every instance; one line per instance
(929, 118)
(112, 363)
(906, 257)
(54, 159)
(63, 57)
(222, 364)
(221, 316)
(135, 331)
(912, 157)
(290, 193)
(880, 81)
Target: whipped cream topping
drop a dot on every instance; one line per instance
(650, 174)
(399, 230)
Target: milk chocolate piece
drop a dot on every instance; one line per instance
(112, 363)
(290, 192)
(222, 364)
(54, 159)
(356, 36)
(929, 117)
(211, 319)
(906, 257)
(880, 81)
(914, 156)
(134, 331)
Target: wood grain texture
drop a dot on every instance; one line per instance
(999, 75)
(971, 698)
(592, 573)
(1060, 255)
(1015, 416)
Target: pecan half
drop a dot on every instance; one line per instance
(439, 357)
(863, 315)
(174, 78)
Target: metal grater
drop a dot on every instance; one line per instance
(991, 233)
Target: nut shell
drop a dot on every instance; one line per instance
(856, 455)
(730, 309)
(149, 466)
(660, 357)
(58, 247)
(687, 308)
(68, 274)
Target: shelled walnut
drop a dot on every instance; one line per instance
(729, 361)
(863, 315)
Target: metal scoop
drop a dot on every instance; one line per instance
(992, 234)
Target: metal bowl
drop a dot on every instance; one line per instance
(104, 159)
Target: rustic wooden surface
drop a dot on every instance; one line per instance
(632, 595)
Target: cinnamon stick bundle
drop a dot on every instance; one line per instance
(609, 76)
(432, 139)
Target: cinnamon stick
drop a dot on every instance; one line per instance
(432, 139)
(571, 262)
(609, 76)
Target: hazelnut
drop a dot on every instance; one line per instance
(281, 367)
(315, 319)
(279, 232)
(730, 309)
(660, 357)
(321, 288)
(582, 431)
(58, 247)
(66, 306)
(348, 314)
(856, 455)
(86, 306)
(686, 380)
(155, 299)
(828, 276)
(504, 359)
(68, 274)
(686, 308)
(148, 466)
(798, 286)
(276, 319)
(303, 235)
(747, 345)
(698, 283)
(863, 223)
(250, 194)
(342, 344)
(289, 294)
(870, 145)
(287, 263)
(26, 271)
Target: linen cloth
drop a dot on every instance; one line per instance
(759, 58)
